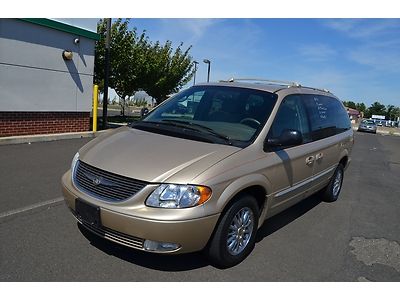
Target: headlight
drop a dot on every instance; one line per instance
(73, 164)
(178, 196)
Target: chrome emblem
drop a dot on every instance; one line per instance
(96, 181)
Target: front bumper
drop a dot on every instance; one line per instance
(120, 224)
(367, 129)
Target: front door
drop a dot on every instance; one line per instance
(292, 167)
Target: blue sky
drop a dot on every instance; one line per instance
(357, 59)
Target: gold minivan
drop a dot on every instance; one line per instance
(208, 166)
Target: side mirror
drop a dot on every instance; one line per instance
(289, 137)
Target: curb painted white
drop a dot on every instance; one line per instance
(48, 137)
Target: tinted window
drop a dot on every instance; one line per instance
(291, 115)
(327, 116)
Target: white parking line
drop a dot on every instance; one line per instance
(30, 207)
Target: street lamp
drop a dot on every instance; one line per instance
(208, 62)
(195, 70)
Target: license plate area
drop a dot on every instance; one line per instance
(87, 213)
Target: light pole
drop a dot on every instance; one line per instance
(208, 62)
(106, 72)
(195, 70)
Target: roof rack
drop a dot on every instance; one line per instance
(317, 89)
(281, 82)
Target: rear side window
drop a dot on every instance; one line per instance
(327, 116)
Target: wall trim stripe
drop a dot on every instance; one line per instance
(63, 27)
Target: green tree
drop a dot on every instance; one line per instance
(138, 64)
(349, 104)
(392, 112)
(167, 70)
(361, 107)
(127, 52)
(376, 109)
(396, 112)
(142, 102)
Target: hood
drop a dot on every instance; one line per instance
(152, 157)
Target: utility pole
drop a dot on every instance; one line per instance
(106, 72)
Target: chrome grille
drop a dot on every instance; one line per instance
(116, 236)
(105, 185)
(112, 235)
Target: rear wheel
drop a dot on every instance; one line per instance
(332, 190)
(234, 237)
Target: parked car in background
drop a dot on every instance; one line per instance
(367, 126)
(207, 167)
(379, 122)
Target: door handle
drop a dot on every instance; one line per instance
(319, 156)
(309, 160)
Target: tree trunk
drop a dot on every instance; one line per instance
(123, 107)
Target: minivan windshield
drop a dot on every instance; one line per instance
(216, 114)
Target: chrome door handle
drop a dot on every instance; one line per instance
(309, 160)
(319, 156)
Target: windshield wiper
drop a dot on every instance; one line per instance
(173, 124)
(205, 128)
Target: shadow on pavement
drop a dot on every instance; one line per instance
(191, 261)
(287, 216)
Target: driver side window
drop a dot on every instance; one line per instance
(291, 115)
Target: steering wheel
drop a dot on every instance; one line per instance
(251, 121)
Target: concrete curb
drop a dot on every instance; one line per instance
(382, 132)
(9, 140)
(389, 133)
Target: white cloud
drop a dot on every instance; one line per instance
(192, 29)
(376, 42)
(364, 28)
(387, 61)
(317, 52)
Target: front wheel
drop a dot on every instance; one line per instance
(332, 190)
(234, 237)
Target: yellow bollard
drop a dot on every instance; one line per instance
(95, 102)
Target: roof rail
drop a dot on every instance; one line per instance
(317, 89)
(281, 82)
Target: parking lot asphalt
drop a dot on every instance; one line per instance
(354, 239)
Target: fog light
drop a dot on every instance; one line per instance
(160, 246)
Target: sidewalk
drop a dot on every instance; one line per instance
(21, 139)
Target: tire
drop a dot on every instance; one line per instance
(331, 192)
(218, 251)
